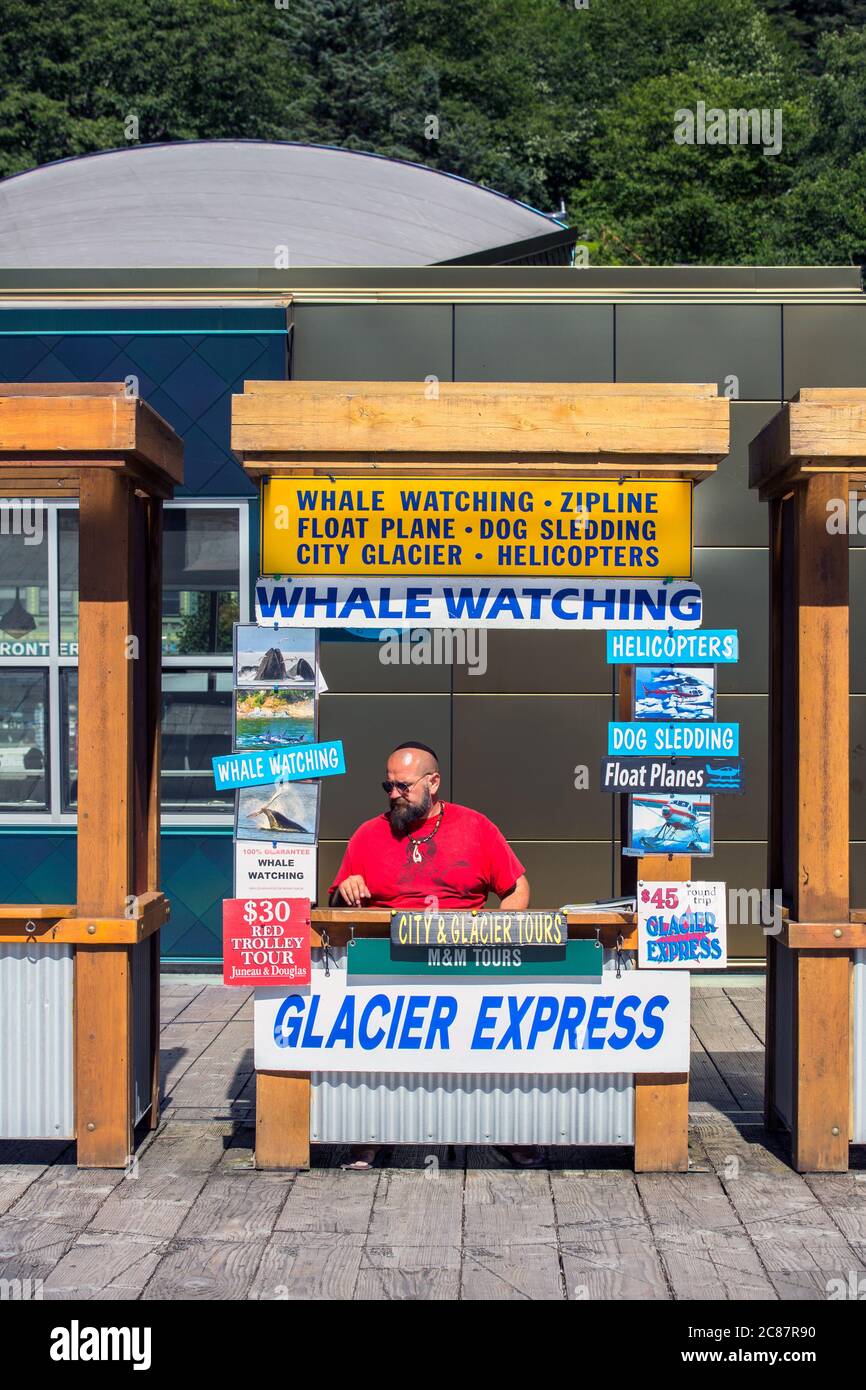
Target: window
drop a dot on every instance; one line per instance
(202, 596)
(205, 592)
(201, 580)
(196, 726)
(23, 745)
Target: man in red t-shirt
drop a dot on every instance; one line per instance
(430, 855)
(427, 854)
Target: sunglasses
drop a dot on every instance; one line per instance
(403, 787)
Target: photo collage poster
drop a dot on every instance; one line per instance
(275, 705)
(680, 824)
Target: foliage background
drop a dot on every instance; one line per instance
(565, 104)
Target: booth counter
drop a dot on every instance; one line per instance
(648, 1111)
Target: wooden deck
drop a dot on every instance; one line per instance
(193, 1220)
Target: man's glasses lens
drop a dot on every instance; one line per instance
(401, 787)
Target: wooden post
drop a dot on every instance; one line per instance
(153, 658)
(821, 894)
(661, 1102)
(775, 877)
(103, 984)
(282, 1119)
(803, 462)
(821, 884)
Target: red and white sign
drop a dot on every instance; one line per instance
(681, 926)
(266, 941)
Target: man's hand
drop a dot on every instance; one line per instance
(353, 890)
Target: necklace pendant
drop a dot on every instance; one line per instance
(416, 855)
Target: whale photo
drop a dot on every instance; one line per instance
(285, 813)
(266, 719)
(274, 656)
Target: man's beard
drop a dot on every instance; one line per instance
(403, 814)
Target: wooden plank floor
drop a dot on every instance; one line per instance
(192, 1219)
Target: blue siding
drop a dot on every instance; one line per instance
(188, 363)
(39, 867)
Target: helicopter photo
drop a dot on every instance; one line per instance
(675, 692)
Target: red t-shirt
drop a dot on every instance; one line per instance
(466, 858)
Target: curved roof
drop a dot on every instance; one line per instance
(234, 202)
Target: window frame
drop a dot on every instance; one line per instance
(53, 662)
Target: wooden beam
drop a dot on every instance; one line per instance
(818, 430)
(152, 656)
(103, 1056)
(661, 1102)
(820, 890)
(123, 426)
(153, 659)
(494, 418)
(282, 1119)
(661, 1123)
(826, 936)
(568, 467)
(299, 387)
(822, 1026)
(62, 388)
(105, 713)
(153, 912)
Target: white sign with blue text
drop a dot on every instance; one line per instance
(638, 1023)
(682, 926)
(528, 604)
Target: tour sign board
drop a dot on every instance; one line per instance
(372, 957)
(528, 605)
(264, 868)
(266, 941)
(661, 737)
(497, 526)
(523, 1025)
(672, 774)
(681, 926)
(540, 928)
(716, 646)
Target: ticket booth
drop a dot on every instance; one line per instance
(417, 431)
(79, 1025)
(809, 465)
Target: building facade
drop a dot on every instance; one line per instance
(511, 736)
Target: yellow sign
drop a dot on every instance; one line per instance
(637, 529)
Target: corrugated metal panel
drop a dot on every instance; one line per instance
(36, 1042)
(439, 1108)
(405, 1108)
(784, 1059)
(858, 1135)
(141, 968)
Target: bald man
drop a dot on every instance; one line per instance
(425, 853)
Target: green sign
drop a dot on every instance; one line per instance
(372, 956)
